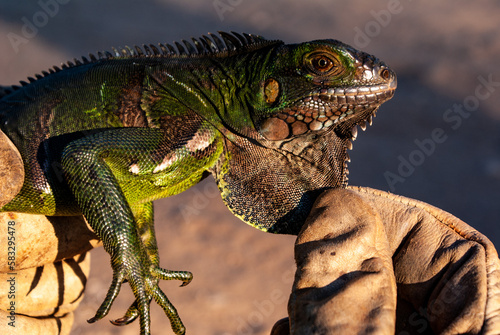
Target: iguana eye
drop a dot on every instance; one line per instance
(323, 64)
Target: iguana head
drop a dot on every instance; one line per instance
(307, 102)
(321, 85)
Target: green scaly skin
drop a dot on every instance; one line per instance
(105, 137)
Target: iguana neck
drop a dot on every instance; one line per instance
(300, 168)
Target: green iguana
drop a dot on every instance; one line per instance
(106, 136)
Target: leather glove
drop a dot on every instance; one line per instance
(372, 262)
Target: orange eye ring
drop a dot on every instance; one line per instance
(323, 64)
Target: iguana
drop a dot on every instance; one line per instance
(105, 136)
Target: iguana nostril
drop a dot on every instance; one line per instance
(385, 74)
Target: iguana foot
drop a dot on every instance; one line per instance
(132, 313)
(145, 288)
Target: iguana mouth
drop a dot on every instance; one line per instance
(326, 108)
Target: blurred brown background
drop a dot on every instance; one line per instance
(443, 53)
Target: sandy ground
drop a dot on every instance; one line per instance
(442, 53)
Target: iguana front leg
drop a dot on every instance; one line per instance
(91, 165)
(144, 216)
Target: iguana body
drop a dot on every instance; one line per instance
(105, 137)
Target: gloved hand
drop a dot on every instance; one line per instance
(372, 262)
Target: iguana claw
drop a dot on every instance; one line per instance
(144, 293)
(131, 314)
(123, 321)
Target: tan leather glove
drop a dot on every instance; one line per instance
(43, 272)
(11, 170)
(372, 262)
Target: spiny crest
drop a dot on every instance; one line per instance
(211, 45)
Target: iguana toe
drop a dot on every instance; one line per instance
(175, 321)
(113, 291)
(184, 276)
